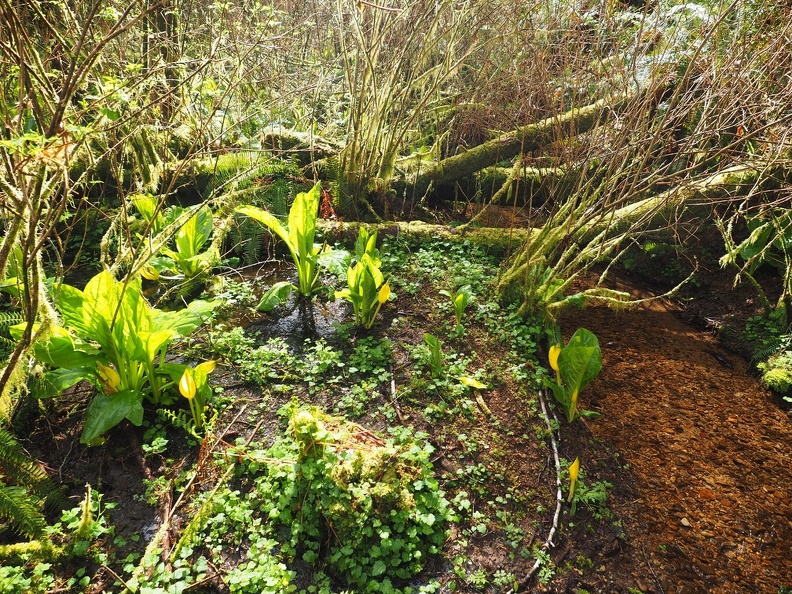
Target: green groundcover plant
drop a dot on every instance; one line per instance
(367, 509)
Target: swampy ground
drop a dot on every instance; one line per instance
(686, 473)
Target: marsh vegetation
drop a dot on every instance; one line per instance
(285, 289)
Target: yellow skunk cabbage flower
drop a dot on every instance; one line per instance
(384, 293)
(573, 406)
(109, 377)
(574, 469)
(149, 273)
(552, 355)
(187, 385)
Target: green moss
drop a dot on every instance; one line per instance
(776, 375)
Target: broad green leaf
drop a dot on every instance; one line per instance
(172, 370)
(101, 297)
(56, 381)
(110, 114)
(194, 233)
(374, 270)
(334, 261)
(579, 365)
(185, 320)
(108, 410)
(147, 206)
(136, 305)
(156, 340)
(65, 350)
(70, 305)
(267, 219)
(558, 391)
(275, 295)
(753, 245)
(302, 220)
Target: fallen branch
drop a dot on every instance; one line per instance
(548, 543)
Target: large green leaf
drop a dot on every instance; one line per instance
(194, 233)
(267, 219)
(155, 341)
(185, 320)
(70, 305)
(334, 261)
(580, 361)
(108, 410)
(101, 298)
(302, 220)
(65, 350)
(148, 207)
(54, 382)
(275, 295)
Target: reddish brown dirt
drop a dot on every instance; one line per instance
(704, 496)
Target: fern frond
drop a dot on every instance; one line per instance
(15, 465)
(179, 420)
(9, 318)
(22, 510)
(17, 468)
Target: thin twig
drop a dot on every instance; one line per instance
(548, 544)
(649, 565)
(378, 7)
(118, 577)
(393, 396)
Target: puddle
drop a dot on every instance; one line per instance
(297, 320)
(300, 320)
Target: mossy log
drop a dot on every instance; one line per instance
(656, 211)
(42, 550)
(692, 199)
(305, 148)
(523, 139)
(535, 185)
(495, 240)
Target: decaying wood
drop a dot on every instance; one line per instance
(656, 211)
(304, 147)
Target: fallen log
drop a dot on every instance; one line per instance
(500, 241)
(656, 211)
(524, 139)
(572, 244)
